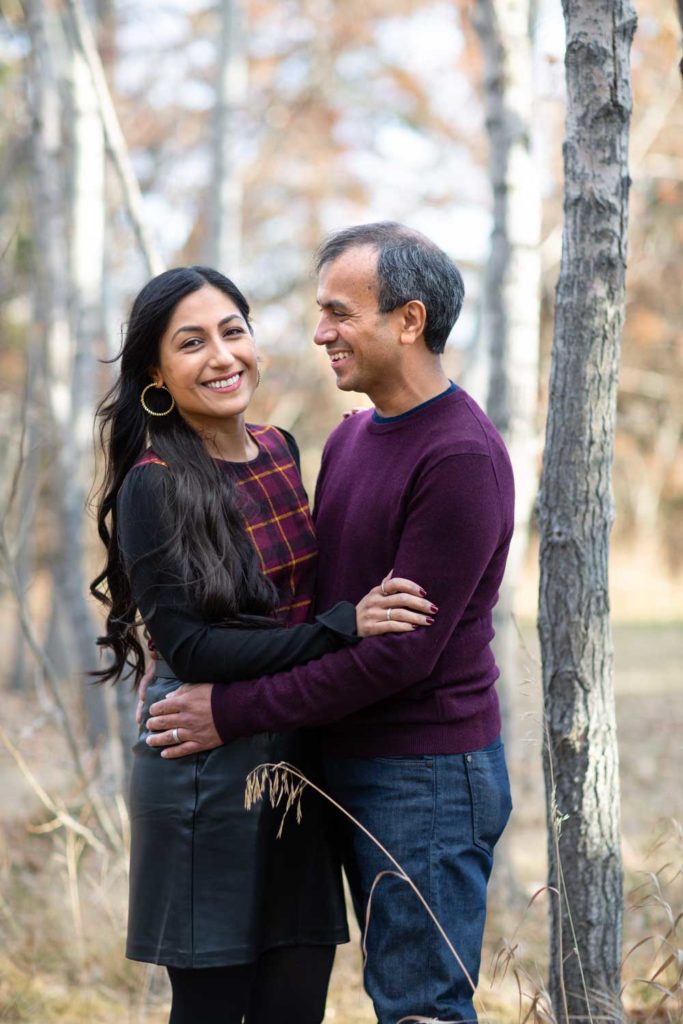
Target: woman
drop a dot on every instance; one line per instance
(209, 538)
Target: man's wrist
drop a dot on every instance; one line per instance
(220, 713)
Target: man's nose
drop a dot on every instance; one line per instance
(325, 332)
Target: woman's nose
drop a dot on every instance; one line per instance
(220, 353)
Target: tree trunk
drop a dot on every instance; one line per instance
(510, 317)
(226, 191)
(575, 516)
(83, 40)
(54, 282)
(86, 216)
(28, 486)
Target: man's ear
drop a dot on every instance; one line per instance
(414, 317)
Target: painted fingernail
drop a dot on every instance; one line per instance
(423, 593)
(430, 621)
(433, 609)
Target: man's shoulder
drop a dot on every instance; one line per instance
(459, 426)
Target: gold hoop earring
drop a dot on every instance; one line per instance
(151, 412)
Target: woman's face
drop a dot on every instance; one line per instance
(207, 359)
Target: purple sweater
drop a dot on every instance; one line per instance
(430, 495)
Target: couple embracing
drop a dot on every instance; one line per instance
(355, 646)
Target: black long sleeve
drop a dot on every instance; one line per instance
(198, 651)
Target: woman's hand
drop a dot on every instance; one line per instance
(395, 606)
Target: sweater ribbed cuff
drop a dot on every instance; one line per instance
(220, 711)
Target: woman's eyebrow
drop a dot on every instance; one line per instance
(195, 328)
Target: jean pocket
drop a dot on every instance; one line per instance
(489, 785)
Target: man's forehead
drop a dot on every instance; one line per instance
(352, 273)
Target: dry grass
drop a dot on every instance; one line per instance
(62, 902)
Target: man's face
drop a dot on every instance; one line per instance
(362, 343)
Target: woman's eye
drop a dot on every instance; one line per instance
(191, 343)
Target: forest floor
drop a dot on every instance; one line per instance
(62, 910)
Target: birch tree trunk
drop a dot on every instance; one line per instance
(83, 39)
(510, 310)
(575, 516)
(86, 215)
(51, 228)
(226, 191)
(23, 664)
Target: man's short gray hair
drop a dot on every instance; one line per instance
(409, 266)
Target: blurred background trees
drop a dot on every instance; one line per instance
(238, 132)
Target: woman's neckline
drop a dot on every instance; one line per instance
(242, 462)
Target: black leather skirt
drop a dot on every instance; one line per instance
(210, 882)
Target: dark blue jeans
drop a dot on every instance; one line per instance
(440, 816)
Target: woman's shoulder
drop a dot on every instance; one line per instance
(145, 481)
(150, 458)
(278, 441)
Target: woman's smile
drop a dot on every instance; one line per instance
(224, 384)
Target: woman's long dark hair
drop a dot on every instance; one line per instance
(209, 545)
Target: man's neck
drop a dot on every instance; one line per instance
(413, 390)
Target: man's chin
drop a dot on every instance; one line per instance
(349, 385)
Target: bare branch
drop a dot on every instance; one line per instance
(50, 677)
(61, 814)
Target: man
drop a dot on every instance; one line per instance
(422, 485)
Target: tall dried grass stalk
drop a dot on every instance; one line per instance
(284, 782)
(74, 848)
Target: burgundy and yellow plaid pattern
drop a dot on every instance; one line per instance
(277, 516)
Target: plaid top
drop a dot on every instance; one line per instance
(277, 517)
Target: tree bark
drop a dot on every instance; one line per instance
(28, 488)
(510, 316)
(226, 191)
(575, 516)
(87, 214)
(59, 294)
(116, 144)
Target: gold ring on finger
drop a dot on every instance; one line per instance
(176, 736)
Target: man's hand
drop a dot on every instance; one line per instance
(142, 693)
(188, 710)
